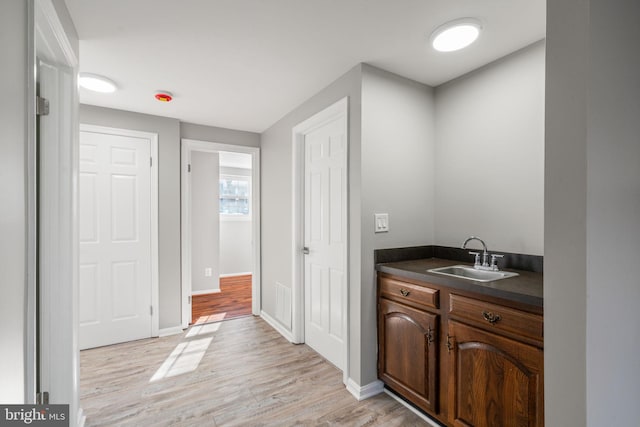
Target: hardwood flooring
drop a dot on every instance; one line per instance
(235, 373)
(233, 300)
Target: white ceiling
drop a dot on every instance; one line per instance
(244, 64)
(235, 160)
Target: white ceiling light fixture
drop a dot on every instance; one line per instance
(455, 35)
(96, 83)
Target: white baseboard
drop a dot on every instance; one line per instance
(205, 292)
(81, 418)
(278, 327)
(248, 273)
(424, 417)
(365, 391)
(165, 332)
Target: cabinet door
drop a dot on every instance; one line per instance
(407, 354)
(493, 381)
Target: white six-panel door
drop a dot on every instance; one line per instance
(115, 213)
(325, 236)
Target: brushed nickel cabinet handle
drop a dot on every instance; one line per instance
(404, 292)
(491, 317)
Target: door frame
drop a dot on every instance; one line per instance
(153, 152)
(187, 147)
(52, 247)
(55, 220)
(331, 113)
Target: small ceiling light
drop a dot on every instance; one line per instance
(96, 83)
(455, 35)
(164, 96)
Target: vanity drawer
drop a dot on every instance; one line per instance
(500, 317)
(409, 293)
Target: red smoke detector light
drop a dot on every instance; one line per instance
(164, 96)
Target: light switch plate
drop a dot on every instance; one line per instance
(381, 222)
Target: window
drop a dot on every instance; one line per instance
(235, 197)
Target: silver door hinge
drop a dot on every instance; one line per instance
(189, 299)
(42, 106)
(189, 167)
(42, 398)
(151, 161)
(151, 310)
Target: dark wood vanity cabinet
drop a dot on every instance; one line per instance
(466, 360)
(408, 340)
(408, 352)
(493, 381)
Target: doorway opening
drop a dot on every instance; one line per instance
(220, 232)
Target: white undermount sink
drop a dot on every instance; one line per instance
(470, 273)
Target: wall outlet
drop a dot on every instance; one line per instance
(208, 272)
(381, 223)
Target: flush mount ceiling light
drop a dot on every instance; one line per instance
(96, 83)
(455, 35)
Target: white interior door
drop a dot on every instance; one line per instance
(115, 238)
(325, 237)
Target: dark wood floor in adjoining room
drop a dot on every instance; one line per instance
(235, 373)
(233, 300)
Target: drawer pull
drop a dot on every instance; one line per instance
(490, 317)
(404, 292)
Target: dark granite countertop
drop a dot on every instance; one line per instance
(525, 288)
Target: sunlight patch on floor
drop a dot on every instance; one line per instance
(219, 317)
(203, 329)
(183, 359)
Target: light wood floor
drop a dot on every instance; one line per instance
(233, 300)
(235, 373)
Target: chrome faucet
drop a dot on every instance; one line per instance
(485, 256)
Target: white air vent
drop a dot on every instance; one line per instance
(283, 305)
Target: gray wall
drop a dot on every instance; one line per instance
(398, 143)
(235, 247)
(168, 131)
(565, 214)
(592, 206)
(490, 155)
(13, 146)
(205, 226)
(236, 240)
(220, 135)
(613, 215)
